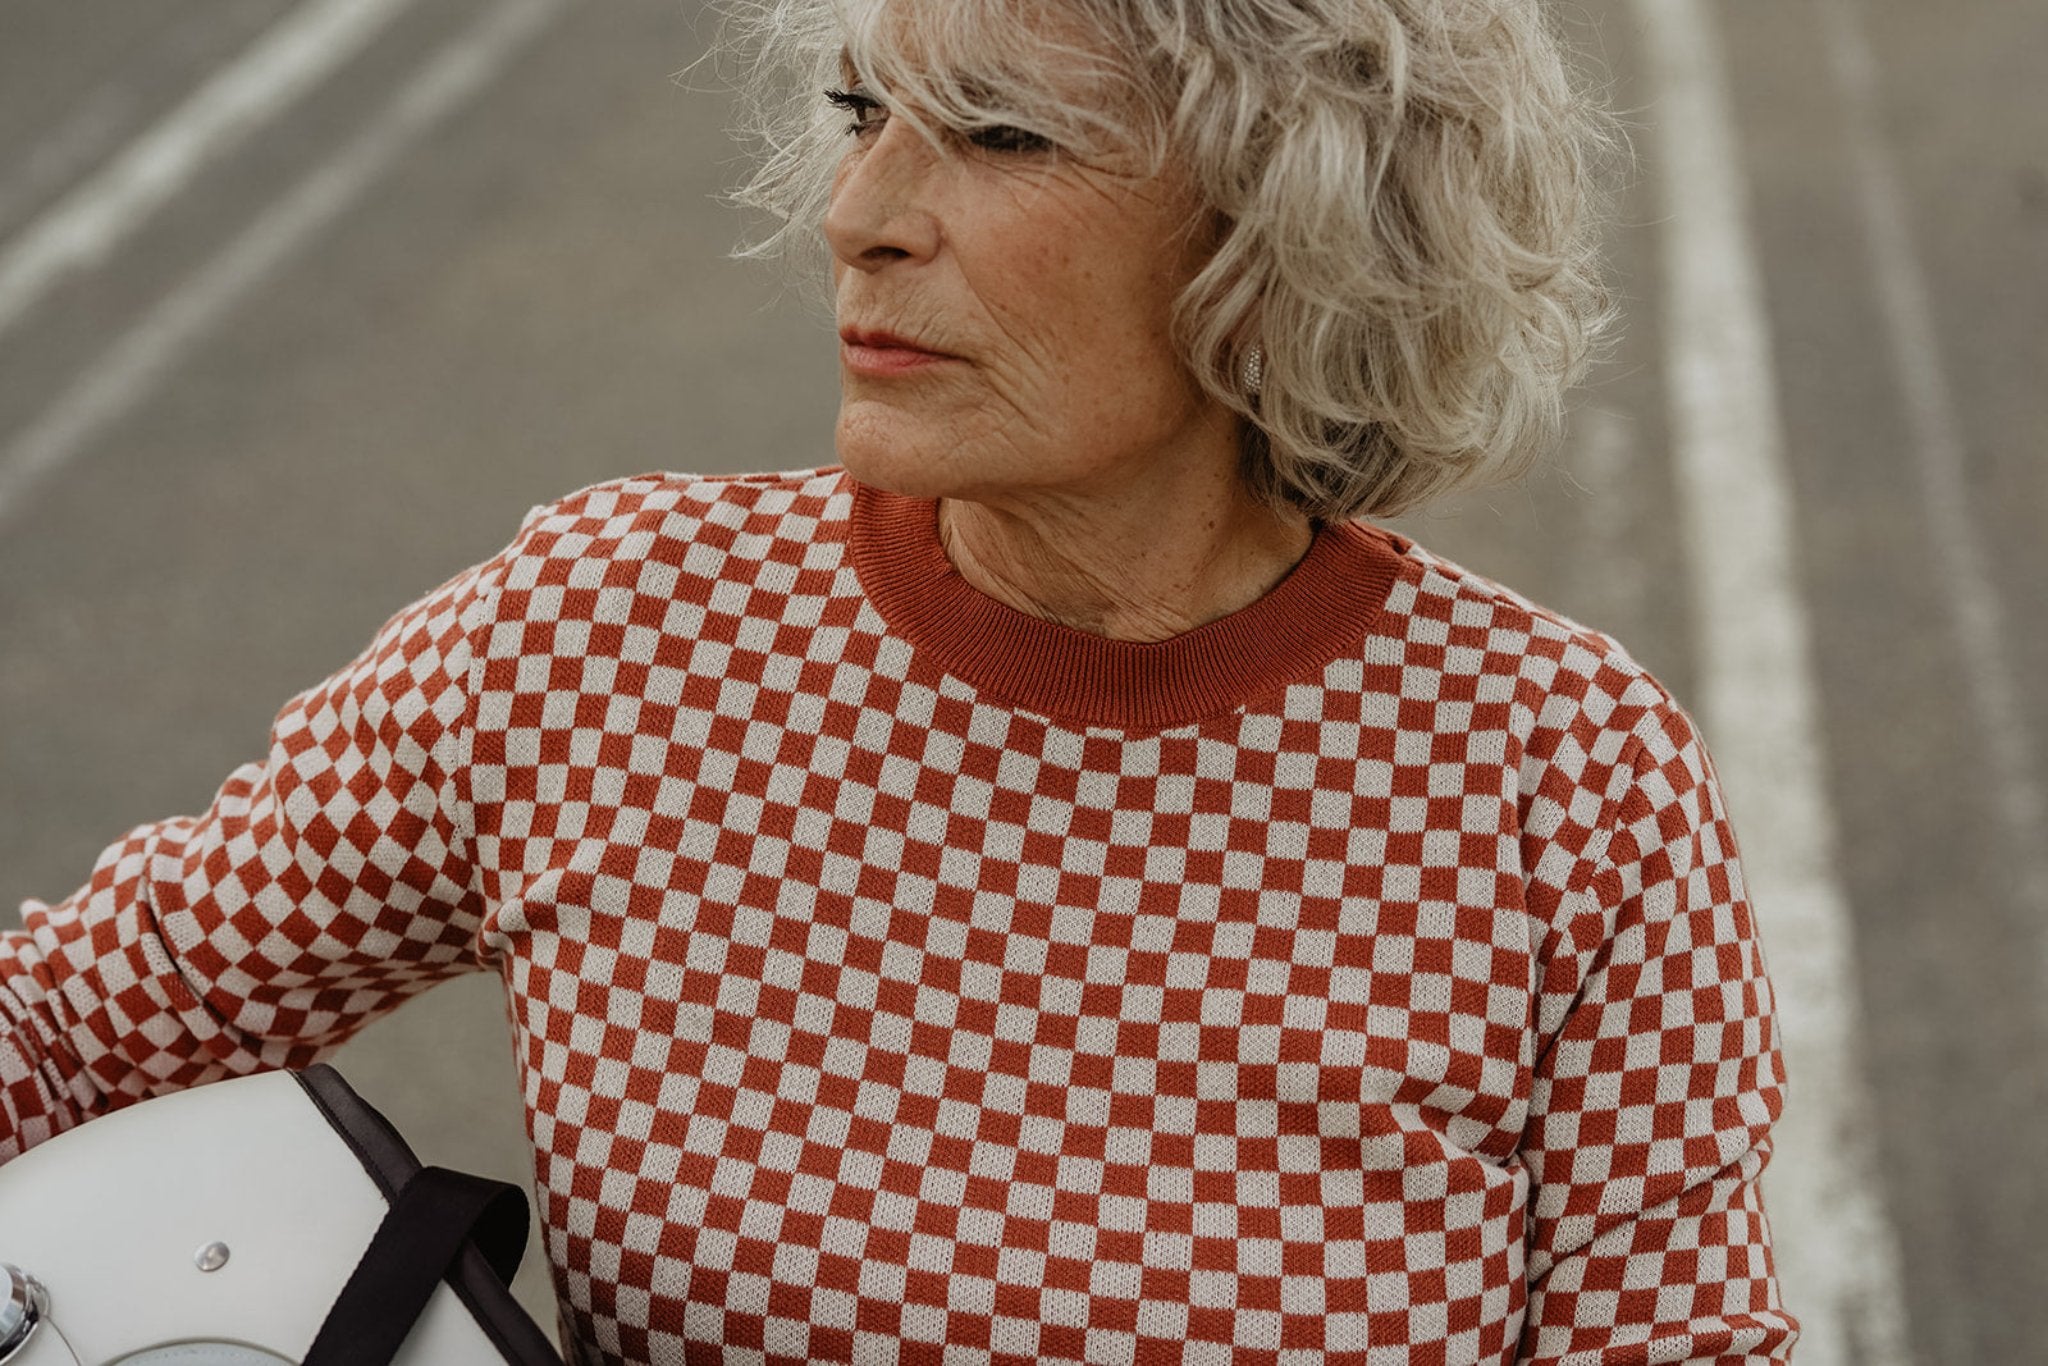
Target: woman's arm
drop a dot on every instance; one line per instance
(1656, 1091)
(323, 887)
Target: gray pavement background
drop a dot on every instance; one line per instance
(537, 296)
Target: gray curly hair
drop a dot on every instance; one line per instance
(1407, 194)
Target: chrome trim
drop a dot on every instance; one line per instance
(26, 1306)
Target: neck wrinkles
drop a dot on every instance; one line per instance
(1136, 574)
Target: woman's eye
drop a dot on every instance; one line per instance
(1003, 138)
(867, 115)
(867, 112)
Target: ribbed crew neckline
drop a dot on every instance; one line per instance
(1321, 611)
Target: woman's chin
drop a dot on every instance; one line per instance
(887, 457)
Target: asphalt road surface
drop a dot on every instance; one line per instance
(303, 305)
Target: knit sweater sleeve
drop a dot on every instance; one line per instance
(1655, 1092)
(321, 888)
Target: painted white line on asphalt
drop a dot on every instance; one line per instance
(1837, 1253)
(122, 377)
(81, 228)
(1976, 608)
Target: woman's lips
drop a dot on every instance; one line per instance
(887, 360)
(882, 353)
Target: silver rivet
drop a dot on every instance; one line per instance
(212, 1257)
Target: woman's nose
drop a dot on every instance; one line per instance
(880, 210)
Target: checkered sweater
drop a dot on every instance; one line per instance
(1364, 977)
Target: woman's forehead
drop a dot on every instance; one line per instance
(989, 43)
(970, 63)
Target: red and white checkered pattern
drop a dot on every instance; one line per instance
(1413, 1013)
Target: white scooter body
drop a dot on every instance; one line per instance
(212, 1227)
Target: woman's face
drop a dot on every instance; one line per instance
(1040, 290)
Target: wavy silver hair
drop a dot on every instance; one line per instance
(1406, 194)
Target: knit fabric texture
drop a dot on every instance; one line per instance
(1365, 977)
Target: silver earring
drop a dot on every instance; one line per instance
(1254, 370)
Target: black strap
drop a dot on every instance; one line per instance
(434, 1214)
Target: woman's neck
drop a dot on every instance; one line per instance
(1130, 568)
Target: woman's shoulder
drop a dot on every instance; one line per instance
(1482, 640)
(633, 508)
(642, 544)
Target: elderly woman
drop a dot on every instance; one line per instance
(1055, 886)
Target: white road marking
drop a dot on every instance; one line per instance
(1976, 608)
(132, 366)
(84, 226)
(1837, 1253)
